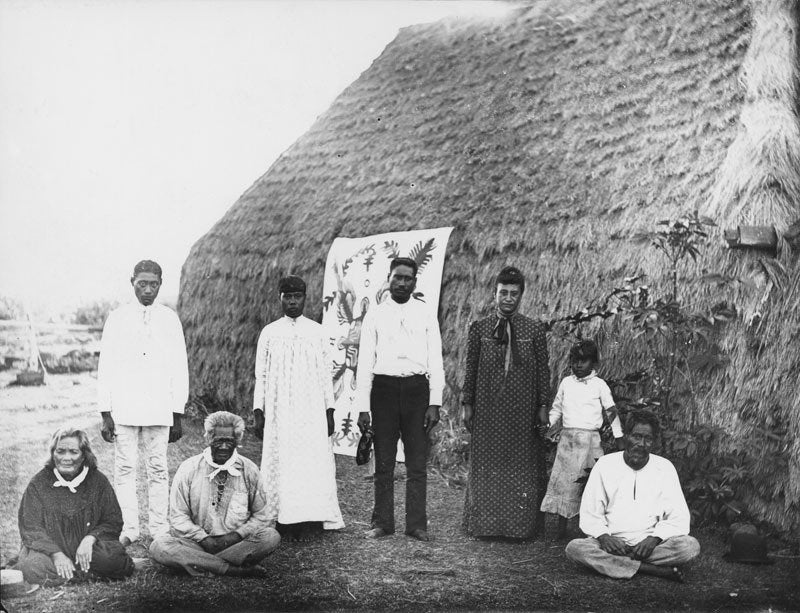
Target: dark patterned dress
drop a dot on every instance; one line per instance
(507, 478)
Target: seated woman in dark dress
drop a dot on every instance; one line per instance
(69, 518)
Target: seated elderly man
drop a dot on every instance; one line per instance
(634, 511)
(219, 510)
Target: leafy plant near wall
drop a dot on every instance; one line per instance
(681, 345)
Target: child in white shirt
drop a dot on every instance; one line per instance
(582, 400)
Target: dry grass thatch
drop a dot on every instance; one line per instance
(548, 137)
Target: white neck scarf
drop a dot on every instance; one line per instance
(62, 482)
(229, 466)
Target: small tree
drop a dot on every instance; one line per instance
(10, 308)
(93, 313)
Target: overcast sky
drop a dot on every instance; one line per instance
(127, 128)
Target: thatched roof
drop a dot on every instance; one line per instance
(548, 137)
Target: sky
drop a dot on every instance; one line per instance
(128, 128)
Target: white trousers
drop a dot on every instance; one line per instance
(674, 551)
(126, 462)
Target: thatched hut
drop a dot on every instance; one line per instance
(549, 137)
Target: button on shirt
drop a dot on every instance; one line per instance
(143, 375)
(399, 340)
(580, 403)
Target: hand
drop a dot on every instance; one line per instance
(331, 425)
(364, 421)
(212, 544)
(468, 417)
(544, 415)
(64, 566)
(83, 556)
(613, 545)
(215, 544)
(644, 549)
(543, 420)
(554, 432)
(230, 539)
(107, 429)
(176, 431)
(431, 418)
(258, 424)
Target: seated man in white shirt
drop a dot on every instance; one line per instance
(634, 511)
(219, 509)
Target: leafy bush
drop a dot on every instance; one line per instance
(11, 308)
(93, 313)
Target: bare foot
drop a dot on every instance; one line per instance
(126, 542)
(672, 573)
(419, 534)
(376, 533)
(249, 571)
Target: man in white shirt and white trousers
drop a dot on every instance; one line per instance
(634, 511)
(143, 384)
(399, 390)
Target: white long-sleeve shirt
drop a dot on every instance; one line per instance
(143, 374)
(399, 340)
(634, 504)
(580, 403)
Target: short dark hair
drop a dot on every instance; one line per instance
(642, 416)
(291, 283)
(412, 264)
(511, 275)
(584, 350)
(147, 266)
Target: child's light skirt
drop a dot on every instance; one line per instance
(578, 450)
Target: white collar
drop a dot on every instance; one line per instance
(586, 378)
(229, 466)
(75, 482)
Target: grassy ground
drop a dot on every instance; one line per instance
(342, 570)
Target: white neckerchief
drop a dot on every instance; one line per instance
(229, 466)
(62, 482)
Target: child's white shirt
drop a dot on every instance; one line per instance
(580, 403)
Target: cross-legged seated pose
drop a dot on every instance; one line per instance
(634, 511)
(219, 509)
(69, 518)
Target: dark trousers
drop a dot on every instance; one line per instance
(398, 406)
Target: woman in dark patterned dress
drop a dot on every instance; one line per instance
(505, 398)
(69, 518)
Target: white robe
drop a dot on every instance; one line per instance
(294, 388)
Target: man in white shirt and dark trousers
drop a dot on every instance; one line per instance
(143, 384)
(634, 511)
(400, 382)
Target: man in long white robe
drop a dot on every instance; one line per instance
(293, 411)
